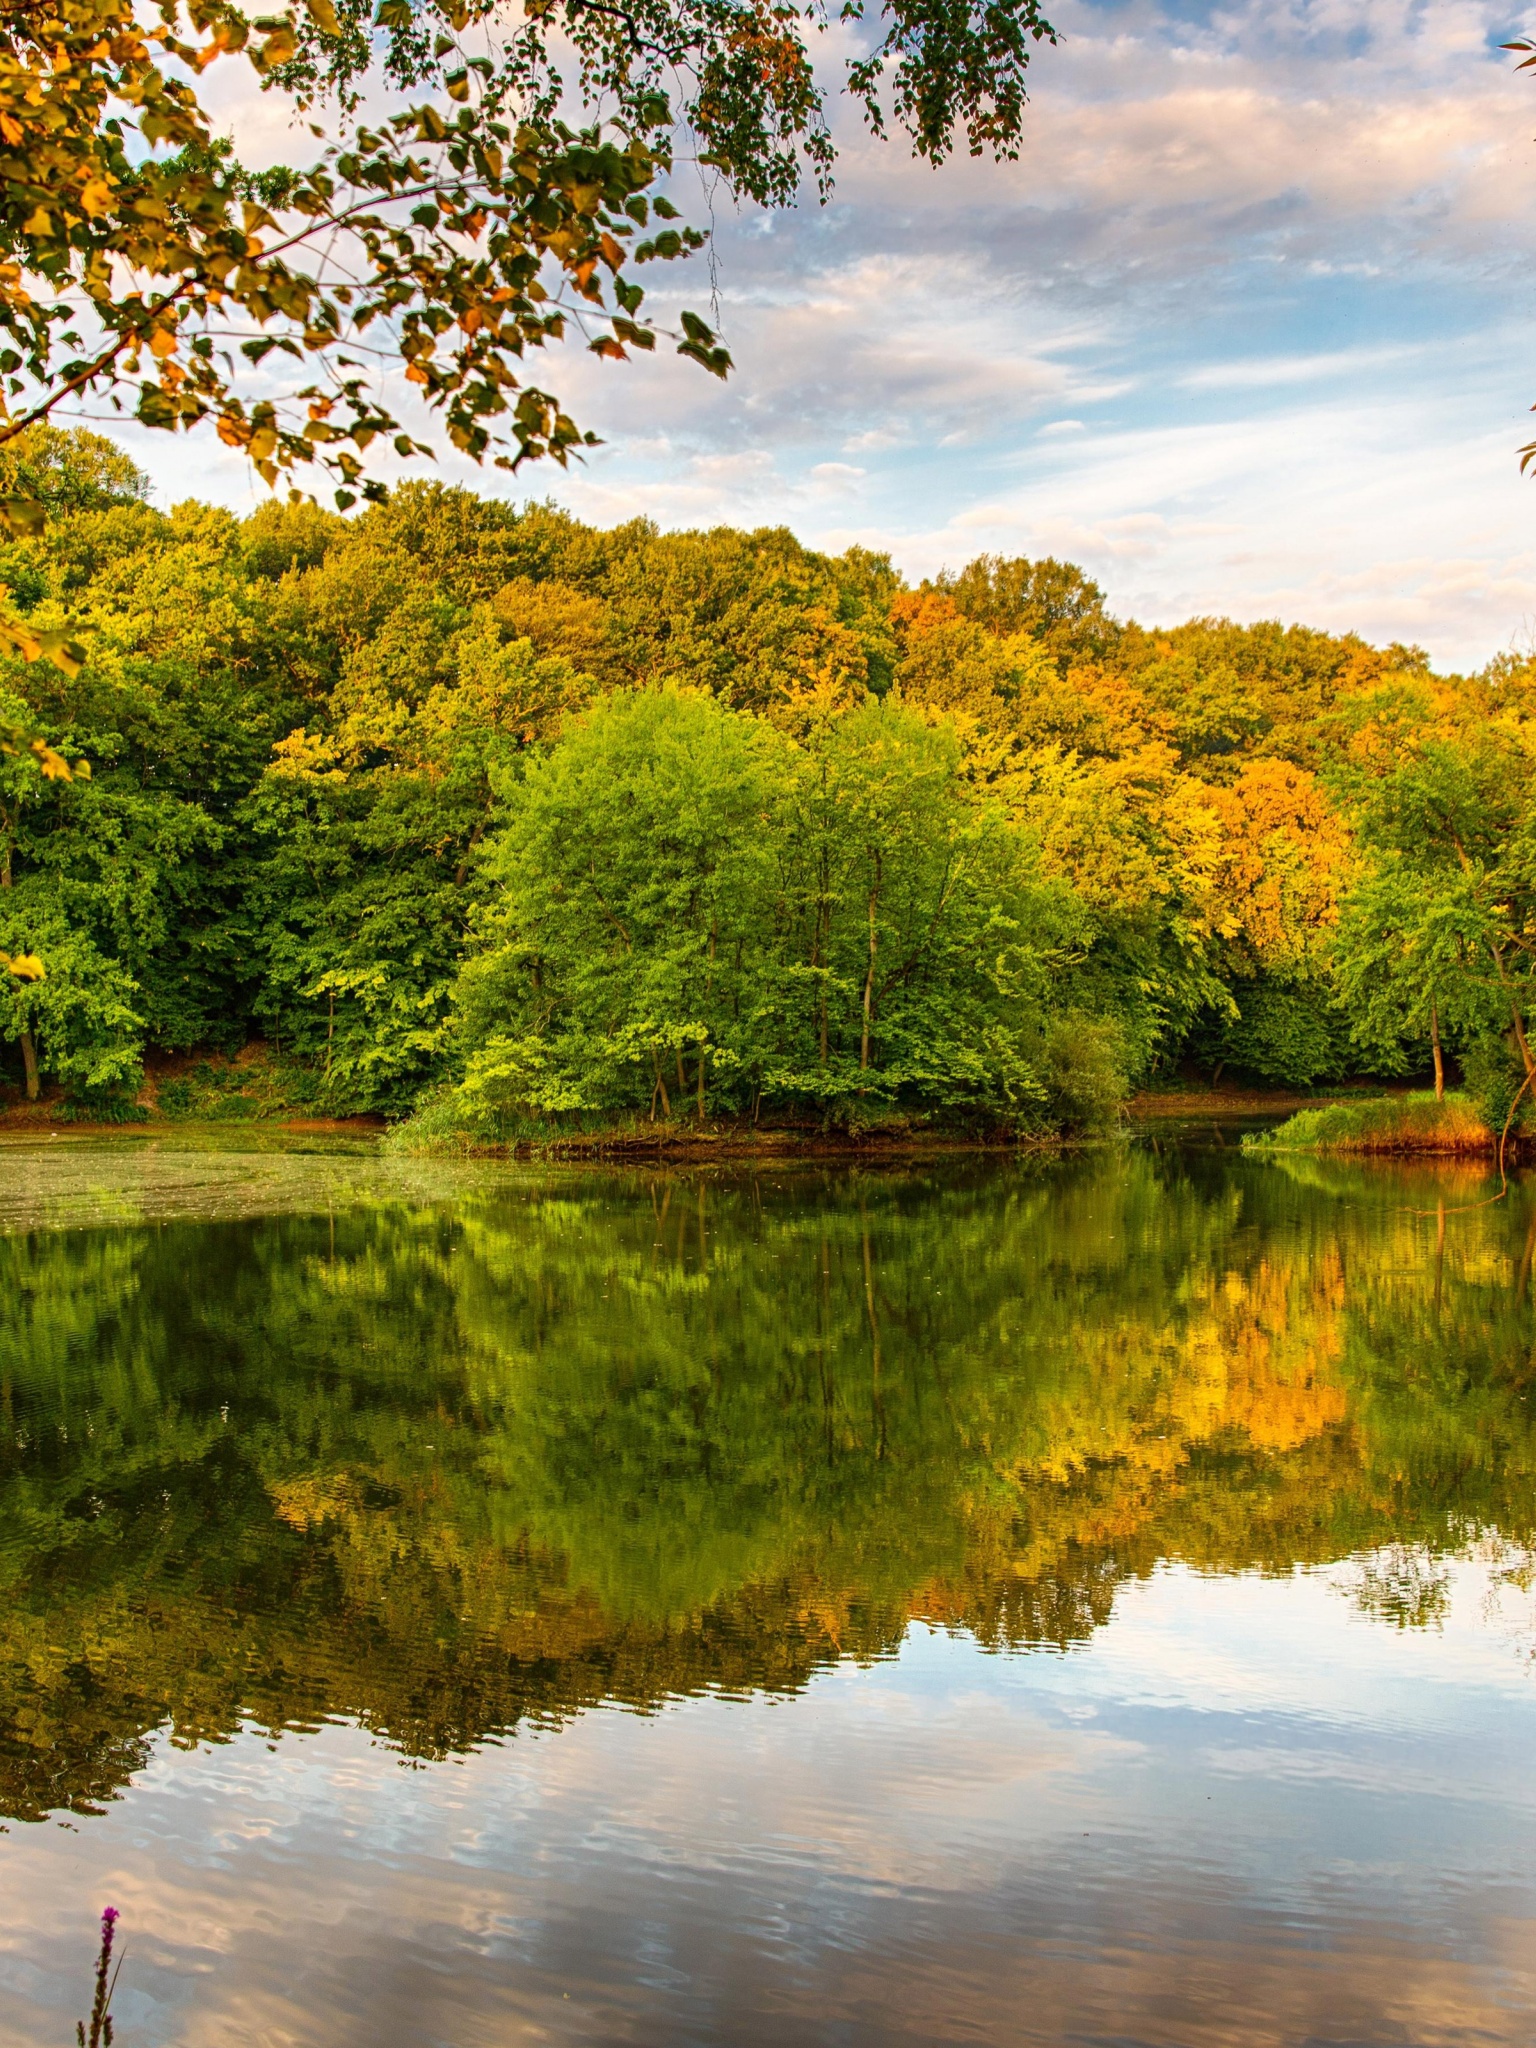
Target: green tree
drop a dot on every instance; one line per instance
(1049, 600)
(178, 708)
(628, 937)
(1438, 783)
(363, 880)
(928, 932)
(91, 873)
(1405, 955)
(685, 903)
(69, 470)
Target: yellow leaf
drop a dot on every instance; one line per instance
(323, 15)
(19, 639)
(22, 516)
(25, 966)
(37, 223)
(277, 49)
(64, 653)
(96, 198)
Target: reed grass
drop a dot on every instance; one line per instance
(1408, 1123)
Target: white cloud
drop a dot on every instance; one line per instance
(1259, 373)
(1244, 328)
(837, 472)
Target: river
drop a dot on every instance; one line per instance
(978, 1600)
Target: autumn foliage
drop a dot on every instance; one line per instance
(476, 810)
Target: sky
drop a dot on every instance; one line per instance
(1246, 330)
(945, 1845)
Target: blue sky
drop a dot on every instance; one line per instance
(1246, 330)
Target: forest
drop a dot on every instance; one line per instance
(468, 813)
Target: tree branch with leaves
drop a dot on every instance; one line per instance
(142, 268)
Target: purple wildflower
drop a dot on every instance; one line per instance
(100, 2035)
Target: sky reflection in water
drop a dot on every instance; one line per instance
(1085, 1602)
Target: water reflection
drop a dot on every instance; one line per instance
(447, 1460)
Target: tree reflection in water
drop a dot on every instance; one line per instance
(445, 1467)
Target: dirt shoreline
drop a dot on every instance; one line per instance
(1218, 1102)
(33, 1121)
(719, 1142)
(19, 1120)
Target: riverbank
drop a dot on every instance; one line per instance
(255, 1090)
(1412, 1124)
(893, 1137)
(1225, 1101)
(219, 1102)
(721, 1141)
(254, 1086)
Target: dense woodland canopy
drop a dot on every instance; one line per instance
(468, 809)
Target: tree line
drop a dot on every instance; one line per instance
(470, 810)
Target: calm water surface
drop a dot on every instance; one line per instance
(985, 1602)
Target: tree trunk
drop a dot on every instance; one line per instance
(29, 1061)
(28, 1046)
(823, 937)
(661, 1087)
(1515, 1016)
(1522, 1042)
(700, 1080)
(1434, 1039)
(869, 978)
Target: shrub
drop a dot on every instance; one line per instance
(1285, 1032)
(1494, 1073)
(101, 1106)
(1083, 1059)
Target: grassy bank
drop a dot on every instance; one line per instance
(254, 1085)
(1411, 1123)
(1192, 1097)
